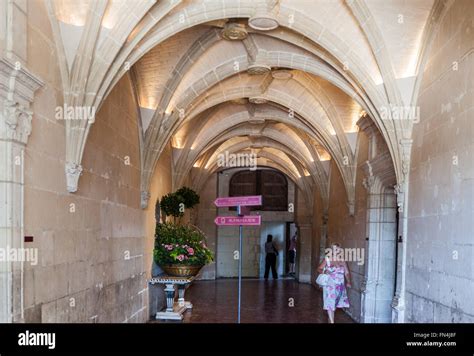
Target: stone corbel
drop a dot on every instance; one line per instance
(351, 207)
(144, 199)
(73, 172)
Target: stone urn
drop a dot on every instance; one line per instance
(181, 270)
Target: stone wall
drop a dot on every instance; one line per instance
(349, 231)
(205, 215)
(440, 244)
(91, 243)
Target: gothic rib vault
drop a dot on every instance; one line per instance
(217, 55)
(317, 89)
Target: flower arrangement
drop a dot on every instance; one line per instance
(180, 245)
(180, 249)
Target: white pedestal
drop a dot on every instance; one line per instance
(174, 309)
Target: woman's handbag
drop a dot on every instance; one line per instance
(323, 278)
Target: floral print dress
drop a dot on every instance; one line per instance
(334, 293)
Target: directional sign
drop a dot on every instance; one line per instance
(238, 220)
(251, 200)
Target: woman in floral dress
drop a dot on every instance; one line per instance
(334, 292)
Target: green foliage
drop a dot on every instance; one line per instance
(191, 198)
(180, 244)
(172, 204)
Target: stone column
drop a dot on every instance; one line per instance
(378, 285)
(304, 265)
(17, 87)
(401, 190)
(324, 237)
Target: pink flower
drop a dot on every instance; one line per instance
(169, 247)
(190, 251)
(180, 257)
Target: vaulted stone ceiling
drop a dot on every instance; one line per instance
(286, 78)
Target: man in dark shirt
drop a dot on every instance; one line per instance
(270, 258)
(292, 254)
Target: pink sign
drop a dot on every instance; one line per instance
(238, 220)
(251, 200)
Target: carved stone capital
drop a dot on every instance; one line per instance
(368, 182)
(17, 121)
(17, 88)
(73, 172)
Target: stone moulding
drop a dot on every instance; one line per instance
(17, 88)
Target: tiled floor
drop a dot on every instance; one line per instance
(262, 302)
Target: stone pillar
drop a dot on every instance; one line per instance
(304, 265)
(401, 190)
(324, 237)
(17, 87)
(377, 288)
(378, 284)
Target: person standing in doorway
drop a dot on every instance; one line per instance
(270, 258)
(292, 254)
(334, 292)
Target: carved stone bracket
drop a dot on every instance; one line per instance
(73, 172)
(144, 199)
(351, 207)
